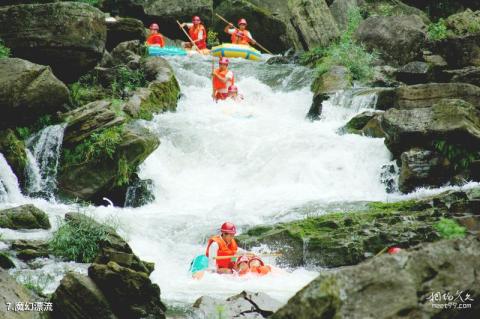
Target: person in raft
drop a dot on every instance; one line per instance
(233, 94)
(155, 37)
(240, 35)
(222, 79)
(197, 32)
(253, 265)
(224, 245)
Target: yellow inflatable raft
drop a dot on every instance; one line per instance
(230, 50)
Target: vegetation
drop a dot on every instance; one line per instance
(449, 228)
(4, 51)
(212, 38)
(80, 239)
(98, 146)
(458, 155)
(90, 2)
(345, 52)
(124, 172)
(437, 31)
(37, 283)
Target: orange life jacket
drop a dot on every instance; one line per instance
(194, 31)
(155, 39)
(240, 37)
(220, 86)
(223, 250)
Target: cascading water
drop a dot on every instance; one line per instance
(43, 153)
(256, 162)
(9, 189)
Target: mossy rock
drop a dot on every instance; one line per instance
(13, 148)
(24, 217)
(5, 261)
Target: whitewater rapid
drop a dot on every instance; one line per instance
(256, 162)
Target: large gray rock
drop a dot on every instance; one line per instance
(68, 36)
(423, 168)
(367, 123)
(340, 9)
(414, 73)
(244, 305)
(394, 286)
(24, 217)
(398, 39)
(469, 75)
(454, 121)
(335, 79)
(425, 95)
(28, 91)
(459, 51)
(12, 292)
(78, 297)
(124, 29)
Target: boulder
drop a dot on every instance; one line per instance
(5, 261)
(161, 95)
(78, 297)
(464, 23)
(315, 111)
(163, 12)
(13, 149)
(244, 305)
(28, 91)
(458, 51)
(393, 8)
(426, 95)
(128, 53)
(414, 73)
(367, 123)
(470, 74)
(24, 217)
(455, 121)
(406, 284)
(30, 249)
(12, 292)
(124, 29)
(335, 79)
(139, 193)
(340, 9)
(130, 294)
(71, 41)
(423, 168)
(91, 180)
(313, 22)
(398, 39)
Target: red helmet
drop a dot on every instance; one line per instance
(394, 250)
(242, 21)
(154, 26)
(232, 88)
(228, 228)
(196, 19)
(256, 258)
(224, 60)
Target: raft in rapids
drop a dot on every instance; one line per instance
(230, 50)
(165, 51)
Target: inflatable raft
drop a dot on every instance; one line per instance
(230, 50)
(165, 51)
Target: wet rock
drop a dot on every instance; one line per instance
(131, 294)
(469, 74)
(128, 53)
(5, 261)
(12, 292)
(139, 193)
(383, 77)
(464, 23)
(161, 95)
(13, 149)
(414, 73)
(335, 79)
(244, 305)
(122, 30)
(28, 91)
(397, 285)
(423, 168)
(458, 51)
(367, 123)
(454, 121)
(30, 249)
(398, 39)
(71, 41)
(24, 217)
(395, 8)
(315, 111)
(78, 297)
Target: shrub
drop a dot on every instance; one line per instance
(124, 172)
(98, 146)
(458, 155)
(437, 31)
(79, 239)
(4, 51)
(126, 80)
(212, 38)
(449, 228)
(37, 283)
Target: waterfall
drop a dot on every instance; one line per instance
(43, 155)
(9, 189)
(355, 99)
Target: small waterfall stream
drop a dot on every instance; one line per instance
(9, 189)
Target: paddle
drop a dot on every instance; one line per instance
(226, 21)
(213, 70)
(188, 36)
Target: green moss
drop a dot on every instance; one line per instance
(437, 31)
(13, 148)
(449, 229)
(4, 51)
(163, 98)
(124, 172)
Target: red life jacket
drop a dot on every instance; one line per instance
(220, 86)
(240, 37)
(223, 250)
(194, 31)
(156, 39)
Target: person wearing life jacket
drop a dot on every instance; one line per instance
(240, 35)
(233, 94)
(258, 267)
(223, 245)
(197, 32)
(155, 37)
(222, 80)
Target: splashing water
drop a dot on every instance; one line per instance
(42, 156)
(9, 189)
